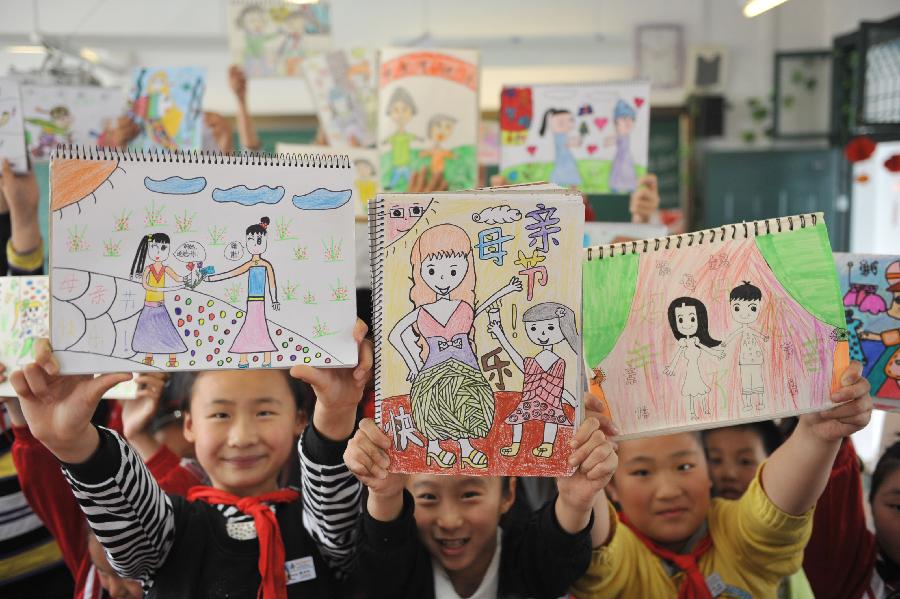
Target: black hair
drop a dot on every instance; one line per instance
(551, 112)
(259, 228)
(247, 10)
(304, 397)
(59, 111)
(359, 161)
(888, 463)
(767, 431)
(702, 320)
(746, 292)
(140, 256)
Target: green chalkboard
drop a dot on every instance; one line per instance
(668, 152)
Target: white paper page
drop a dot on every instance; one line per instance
(12, 128)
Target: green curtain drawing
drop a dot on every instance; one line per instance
(604, 320)
(811, 281)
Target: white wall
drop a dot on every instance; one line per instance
(558, 38)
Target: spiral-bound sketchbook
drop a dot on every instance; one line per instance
(739, 323)
(477, 321)
(870, 288)
(195, 261)
(12, 129)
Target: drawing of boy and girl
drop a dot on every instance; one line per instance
(449, 396)
(560, 122)
(689, 323)
(401, 109)
(155, 333)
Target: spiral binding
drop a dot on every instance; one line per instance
(376, 258)
(80, 152)
(744, 230)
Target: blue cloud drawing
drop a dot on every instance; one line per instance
(176, 185)
(242, 194)
(322, 199)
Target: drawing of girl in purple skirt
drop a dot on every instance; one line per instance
(254, 334)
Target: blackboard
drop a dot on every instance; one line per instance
(668, 152)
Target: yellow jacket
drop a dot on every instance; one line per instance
(755, 545)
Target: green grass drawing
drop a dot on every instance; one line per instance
(111, 248)
(460, 171)
(301, 252)
(309, 298)
(217, 235)
(122, 221)
(339, 292)
(185, 223)
(234, 293)
(283, 228)
(320, 329)
(153, 215)
(289, 291)
(77, 242)
(594, 174)
(333, 250)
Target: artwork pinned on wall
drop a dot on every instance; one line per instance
(717, 327)
(603, 233)
(870, 287)
(25, 318)
(167, 104)
(58, 114)
(477, 323)
(344, 84)
(365, 170)
(707, 69)
(659, 54)
(428, 116)
(271, 38)
(593, 137)
(201, 262)
(12, 128)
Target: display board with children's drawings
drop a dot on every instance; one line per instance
(477, 319)
(271, 38)
(167, 104)
(739, 323)
(344, 84)
(59, 114)
(428, 116)
(12, 130)
(870, 286)
(590, 136)
(190, 262)
(365, 170)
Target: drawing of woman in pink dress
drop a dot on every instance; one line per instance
(690, 326)
(254, 334)
(543, 389)
(449, 396)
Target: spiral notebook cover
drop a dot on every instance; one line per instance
(722, 326)
(196, 261)
(477, 318)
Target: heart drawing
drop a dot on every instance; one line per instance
(531, 149)
(592, 148)
(638, 102)
(601, 122)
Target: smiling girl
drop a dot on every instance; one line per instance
(449, 397)
(543, 390)
(154, 332)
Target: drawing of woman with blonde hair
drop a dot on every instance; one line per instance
(449, 396)
(544, 387)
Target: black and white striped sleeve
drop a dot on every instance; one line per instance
(331, 496)
(128, 512)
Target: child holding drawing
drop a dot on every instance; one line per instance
(243, 536)
(671, 540)
(439, 536)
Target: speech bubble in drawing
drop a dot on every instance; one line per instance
(497, 215)
(190, 251)
(234, 251)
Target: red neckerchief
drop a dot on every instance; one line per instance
(271, 546)
(694, 584)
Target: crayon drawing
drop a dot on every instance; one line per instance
(593, 137)
(428, 116)
(690, 332)
(870, 287)
(344, 85)
(169, 299)
(56, 114)
(167, 104)
(12, 129)
(271, 39)
(479, 336)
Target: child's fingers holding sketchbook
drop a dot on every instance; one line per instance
(852, 412)
(367, 458)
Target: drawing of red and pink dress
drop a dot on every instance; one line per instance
(542, 392)
(449, 397)
(254, 334)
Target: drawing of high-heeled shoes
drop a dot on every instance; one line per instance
(172, 363)
(148, 360)
(476, 459)
(510, 450)
(544, 450)
(444, 459)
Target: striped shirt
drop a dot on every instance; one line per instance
(135, 520)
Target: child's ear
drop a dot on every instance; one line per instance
(300, 422)
(189, 428)
(508, 499)
(611, 491)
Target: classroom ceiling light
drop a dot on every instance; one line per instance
(754, 8)
(28, 49)
(89, 55)
(303, 1)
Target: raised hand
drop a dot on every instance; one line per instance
(367, 458)
(58, 407)
(852, 413)
(137, 413)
